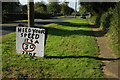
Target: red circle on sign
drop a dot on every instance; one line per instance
(28, 50)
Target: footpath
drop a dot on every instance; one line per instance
(111, 67)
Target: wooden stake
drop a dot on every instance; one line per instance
(30, 13)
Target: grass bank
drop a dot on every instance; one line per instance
(70, 52)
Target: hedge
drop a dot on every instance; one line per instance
(109, 22)
(13, 16)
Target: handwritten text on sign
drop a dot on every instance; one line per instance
(30, 41)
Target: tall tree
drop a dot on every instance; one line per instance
(97, 7)
(40, 7)
(65, 9)
(24, 8)
(53, 8)
(10, 7)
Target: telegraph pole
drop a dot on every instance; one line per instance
(75, 8)
(30, 13)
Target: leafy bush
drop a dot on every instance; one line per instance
(93, 19)
(103, 22)
(109, 22)
(82, 10)
(12, 17)
(97, 20)
(42, 16)
(114, 29)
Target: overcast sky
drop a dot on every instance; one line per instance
(71, 2)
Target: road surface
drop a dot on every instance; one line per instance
(11, 27)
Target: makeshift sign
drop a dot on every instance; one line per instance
(30, 41)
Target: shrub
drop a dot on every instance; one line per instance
(113, 32)
(97, 20)
(109, 22)
(105, 20)
(13, 16)
(42, 16)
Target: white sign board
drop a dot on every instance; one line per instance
(30, 41)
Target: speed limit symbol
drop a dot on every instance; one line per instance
(28, 47)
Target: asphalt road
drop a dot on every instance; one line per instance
(11, 27)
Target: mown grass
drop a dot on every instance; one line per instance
(57, 17)
(69, 53)
(37, 19)
(25, 20)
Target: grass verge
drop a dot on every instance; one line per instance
(38, 19)
(57, 17)
(70, 52)
(25, 20)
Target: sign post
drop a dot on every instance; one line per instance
(30, 41)
(30, 13)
